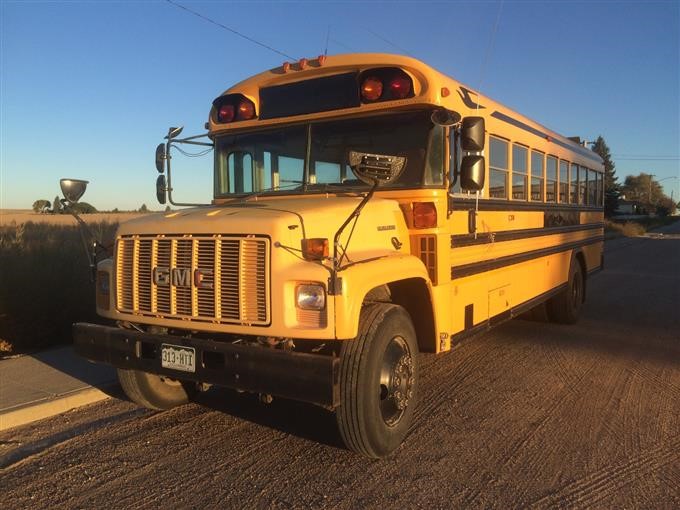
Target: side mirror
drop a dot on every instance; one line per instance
(472, 173)
(376, 169)
(472, 134)
(161, 189)
(73, 189)
(160, 158)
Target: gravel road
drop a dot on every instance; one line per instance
(530, 414)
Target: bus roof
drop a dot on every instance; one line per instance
(430, 88)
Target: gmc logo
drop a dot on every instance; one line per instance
(181, 277)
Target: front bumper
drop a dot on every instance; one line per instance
(300, 376)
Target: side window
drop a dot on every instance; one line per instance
(536, 176)
(573, 184)
(582, 182)
(600, 189)
(564, 181)
(551, 179)
(519, 172)
(498, 168)
(592, 187)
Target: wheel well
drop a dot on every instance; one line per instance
(413, 296)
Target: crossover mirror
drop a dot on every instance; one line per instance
(444, 117)
(73, 189)
(472, 173)
(472, 134)
(376, 169)
(174, 132)
(160, 158)
(161, 189)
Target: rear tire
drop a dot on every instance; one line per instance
(153, 391)
(378, 381)
(565, 307)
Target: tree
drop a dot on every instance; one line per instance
(41, 205)
(56, 206)
(612, 189)
(83, 208)
(143, 208)
(648, 192)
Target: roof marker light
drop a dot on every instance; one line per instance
(303, 63)
(445, 92)
(321, 59)
(371, 89)
(226, 113)
(286, 67)
(400, 87)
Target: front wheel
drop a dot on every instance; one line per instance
(378, 381)
(154, 391)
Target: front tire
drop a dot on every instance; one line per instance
(378, 381)
(154, 391)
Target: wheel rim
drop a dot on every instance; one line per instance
(396, 380)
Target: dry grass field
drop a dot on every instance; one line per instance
(44, 276)
(20, 216)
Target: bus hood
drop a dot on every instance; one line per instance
(380, 229)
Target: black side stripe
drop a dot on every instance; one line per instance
(586, 153)
(466, 270)
(490, 204)
(461, 240)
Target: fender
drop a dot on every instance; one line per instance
(359, 279)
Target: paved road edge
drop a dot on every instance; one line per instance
(52, 407)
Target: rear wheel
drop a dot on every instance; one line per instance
(155, 391)
(378, 381)
(565, 307)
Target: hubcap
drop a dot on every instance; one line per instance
(396, 380)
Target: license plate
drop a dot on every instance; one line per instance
(178, 357)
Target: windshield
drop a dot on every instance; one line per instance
(311, 157)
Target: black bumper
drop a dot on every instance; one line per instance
(299, 376)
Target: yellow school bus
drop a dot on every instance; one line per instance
(366, 208)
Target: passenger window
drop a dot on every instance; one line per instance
(498, 168)
(519, 172)
(573, 184)
(564, 182)
(536, 176)
(551, 179)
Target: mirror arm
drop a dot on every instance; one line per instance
(168, 157)
(88, 239)
(334, 282)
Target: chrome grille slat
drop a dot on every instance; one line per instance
(234, 272)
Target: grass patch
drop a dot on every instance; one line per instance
(44, 283)
(637, 227)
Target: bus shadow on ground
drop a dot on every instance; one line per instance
(296, 418)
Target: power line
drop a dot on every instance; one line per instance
(489, 49)
(247, 38)
(387, 41)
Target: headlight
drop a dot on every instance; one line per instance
(310, 296)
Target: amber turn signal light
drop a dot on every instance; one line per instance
(424, 215)
(315, 248)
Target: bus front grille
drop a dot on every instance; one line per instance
(220, 279)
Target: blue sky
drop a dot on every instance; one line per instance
(89, 88)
